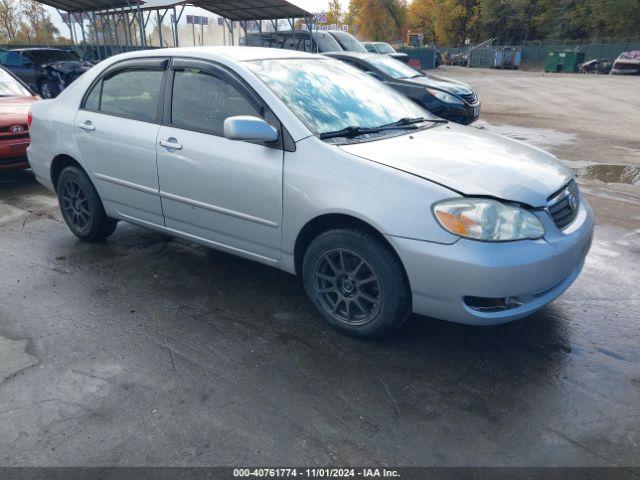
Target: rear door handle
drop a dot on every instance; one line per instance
(171, 144)
(88, 126)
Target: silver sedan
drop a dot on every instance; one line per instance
(308, 165)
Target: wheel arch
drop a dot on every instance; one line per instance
(329, 221)
(58, 164)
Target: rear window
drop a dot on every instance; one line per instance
(48, 56)
(348, 42)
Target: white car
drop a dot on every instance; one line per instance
(309, 165)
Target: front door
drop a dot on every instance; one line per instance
(226, 192)
(117, 129)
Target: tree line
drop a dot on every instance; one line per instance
(510, 22)
(26, 22)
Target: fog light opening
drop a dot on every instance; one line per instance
(484, 304)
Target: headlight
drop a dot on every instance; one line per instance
(487, 220)
(444, 96)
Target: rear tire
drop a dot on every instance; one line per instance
(356, 283)
(82, 208)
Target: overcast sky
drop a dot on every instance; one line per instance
(313, 6)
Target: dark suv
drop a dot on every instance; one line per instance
(46, 70)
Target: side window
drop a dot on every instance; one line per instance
(132, 93)
(203, 102)
(10, 59)
(93, 99)
(26, 61)
(370, 48)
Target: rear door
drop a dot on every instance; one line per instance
(117, 129)
(224, 191)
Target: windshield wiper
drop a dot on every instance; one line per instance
(348, 132)
(402, 124)
(411, 121)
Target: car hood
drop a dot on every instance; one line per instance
(14, 110)
(445, 84)
(69, 67)
(471, 162)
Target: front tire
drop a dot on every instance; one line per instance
(82, 208)
(356, 283)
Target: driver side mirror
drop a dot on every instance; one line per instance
(249, 129)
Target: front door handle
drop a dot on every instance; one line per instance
(87, 125)
(171, 144)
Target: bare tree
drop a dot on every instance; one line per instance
(10, 18)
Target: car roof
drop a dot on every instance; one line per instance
(239, 54)
(361, 55)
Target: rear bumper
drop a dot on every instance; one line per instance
(532, 272)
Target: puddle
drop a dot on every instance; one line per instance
(545, 137)
(609, 173)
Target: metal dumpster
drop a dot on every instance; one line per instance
(567, 62)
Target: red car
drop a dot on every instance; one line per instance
(15, 100)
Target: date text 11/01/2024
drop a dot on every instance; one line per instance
(315, 473)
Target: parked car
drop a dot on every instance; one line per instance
(596, 65)
(47, 71)
(347, 42)
(15, 100)
(382, 48)
(627, 63)
(300, 40)
(305, 164)
(445, 98)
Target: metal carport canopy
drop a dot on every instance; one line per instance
(229, 9)
(252, 9)
(73, 6)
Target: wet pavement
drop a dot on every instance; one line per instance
(148, 350)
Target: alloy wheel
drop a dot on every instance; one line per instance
(347, 287)
(75, 205)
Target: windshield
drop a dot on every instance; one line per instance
(392, 67)
(10, 87)
(348, 42)
(49, 56)
(326, 43)
(385, 48)
(328, 95)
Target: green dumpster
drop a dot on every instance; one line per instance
(567, 62)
